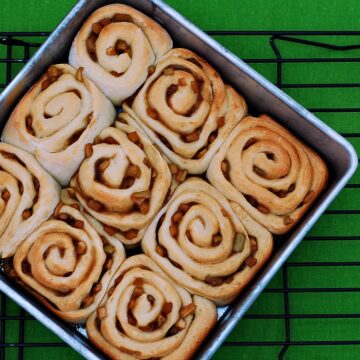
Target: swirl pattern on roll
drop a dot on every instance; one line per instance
(200, 242)
(123, 182)
(67, 264)
(269, 172)
(116, 46)
(61, 113)
(187, 110)
(28, 195)
(145, 315)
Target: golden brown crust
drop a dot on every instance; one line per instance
(140, 272)
(118, 73)
(186, 109)
(208, 249)
(269, 172)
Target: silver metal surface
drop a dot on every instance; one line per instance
(261, 95)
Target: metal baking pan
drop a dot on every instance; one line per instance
(261, 96)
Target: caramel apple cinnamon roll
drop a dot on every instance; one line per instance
(28, 195)
(116, 46)
(186, 109)
(178, 175)
(61, 113)
(203, 245)
(67, 264)
(123, 182)
(269, 172)
(146, 316)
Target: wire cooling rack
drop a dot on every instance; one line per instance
(312, 308)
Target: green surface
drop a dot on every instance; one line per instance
(31, 15)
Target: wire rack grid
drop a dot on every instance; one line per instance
(312, 307)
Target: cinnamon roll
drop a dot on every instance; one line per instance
(61, 113)
(123, 182)
(178, 175)
(28, 197)
(67, 264)
(269, 172)
(186, 109)
(146, 316)
(204, 244)
(116, 46)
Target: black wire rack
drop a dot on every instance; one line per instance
(17, 48)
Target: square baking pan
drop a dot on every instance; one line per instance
(261, 96)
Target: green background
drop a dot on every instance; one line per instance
(265, 321)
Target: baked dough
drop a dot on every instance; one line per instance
(123, 182)
(205, 245)
(28, 197)
(58, 116)
(67, 264)
(269, 172)
(145, 315)
(116, 45)
(186, 109)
